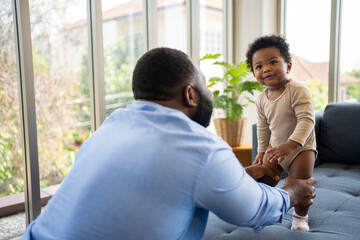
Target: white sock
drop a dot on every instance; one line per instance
(299, 223)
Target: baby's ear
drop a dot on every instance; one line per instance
(288, 68)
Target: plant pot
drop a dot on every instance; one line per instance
(232, 132)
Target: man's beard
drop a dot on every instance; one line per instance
(204, 111)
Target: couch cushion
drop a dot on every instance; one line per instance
(340, 134)
(335, 213)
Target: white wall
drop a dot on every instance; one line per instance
(252, 18)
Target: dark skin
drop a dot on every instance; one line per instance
(186, 100)
(270, 69)
(301, 168)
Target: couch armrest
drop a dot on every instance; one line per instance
(318, 120)
(254, 142)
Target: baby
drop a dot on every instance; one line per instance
(285, 128)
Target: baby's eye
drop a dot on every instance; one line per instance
(273, 62)
(258, 67)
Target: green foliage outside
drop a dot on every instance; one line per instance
(353, 90)
(237, 87)
(119, 62)
(61, 105)
(319, 94)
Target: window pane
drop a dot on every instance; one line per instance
(309, 39)
(211, 42)
(123, 45)
(171, 24)
(60, 58)
(211, 26)
(350, 53)
(11, 164)
(211, 35)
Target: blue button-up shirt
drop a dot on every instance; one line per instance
(149, 172)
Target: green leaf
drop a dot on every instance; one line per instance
(215, 79)
(250, 100)
(234, 83)
(211, 56)
(229, 109)
(239, 70)
(235, 80)
(210, 85)
(220, 101)
(249, 86)
(224, 64)
(229, 89)
(238, 110)
(216, 94)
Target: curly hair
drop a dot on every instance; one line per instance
(160, 71)
(268, 41)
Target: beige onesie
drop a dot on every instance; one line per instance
(290, 116)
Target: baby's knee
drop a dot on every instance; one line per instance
(275, 168)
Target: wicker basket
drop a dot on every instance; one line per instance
(232, 132)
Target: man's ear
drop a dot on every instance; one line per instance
(190, 96)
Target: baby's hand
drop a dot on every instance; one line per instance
(279, 153)
(259, 158)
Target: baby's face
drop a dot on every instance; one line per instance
(270, 68)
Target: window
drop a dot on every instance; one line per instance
(61, 67)
(211, 26)
(350, 50)
(211, 35)
(123, 45)
(171, 24)
(11, 163)
(59, 38)
(308, 36)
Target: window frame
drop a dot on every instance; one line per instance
(335, 44)
(25, 70)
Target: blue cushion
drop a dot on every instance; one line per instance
(334, 215)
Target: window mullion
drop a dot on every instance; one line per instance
(193, 28)
(334, 58)
(27, 108)
(150, 26)
(281, 19)
(96, 64)
(228, 30)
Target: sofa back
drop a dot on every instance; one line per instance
(338, 137)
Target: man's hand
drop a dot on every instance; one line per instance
(301, 191)
(263, 174)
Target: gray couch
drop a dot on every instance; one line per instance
(335, 213)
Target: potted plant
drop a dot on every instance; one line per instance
(237, 88)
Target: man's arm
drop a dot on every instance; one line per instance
(261, 173)
(226, 189)
(301, 191)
